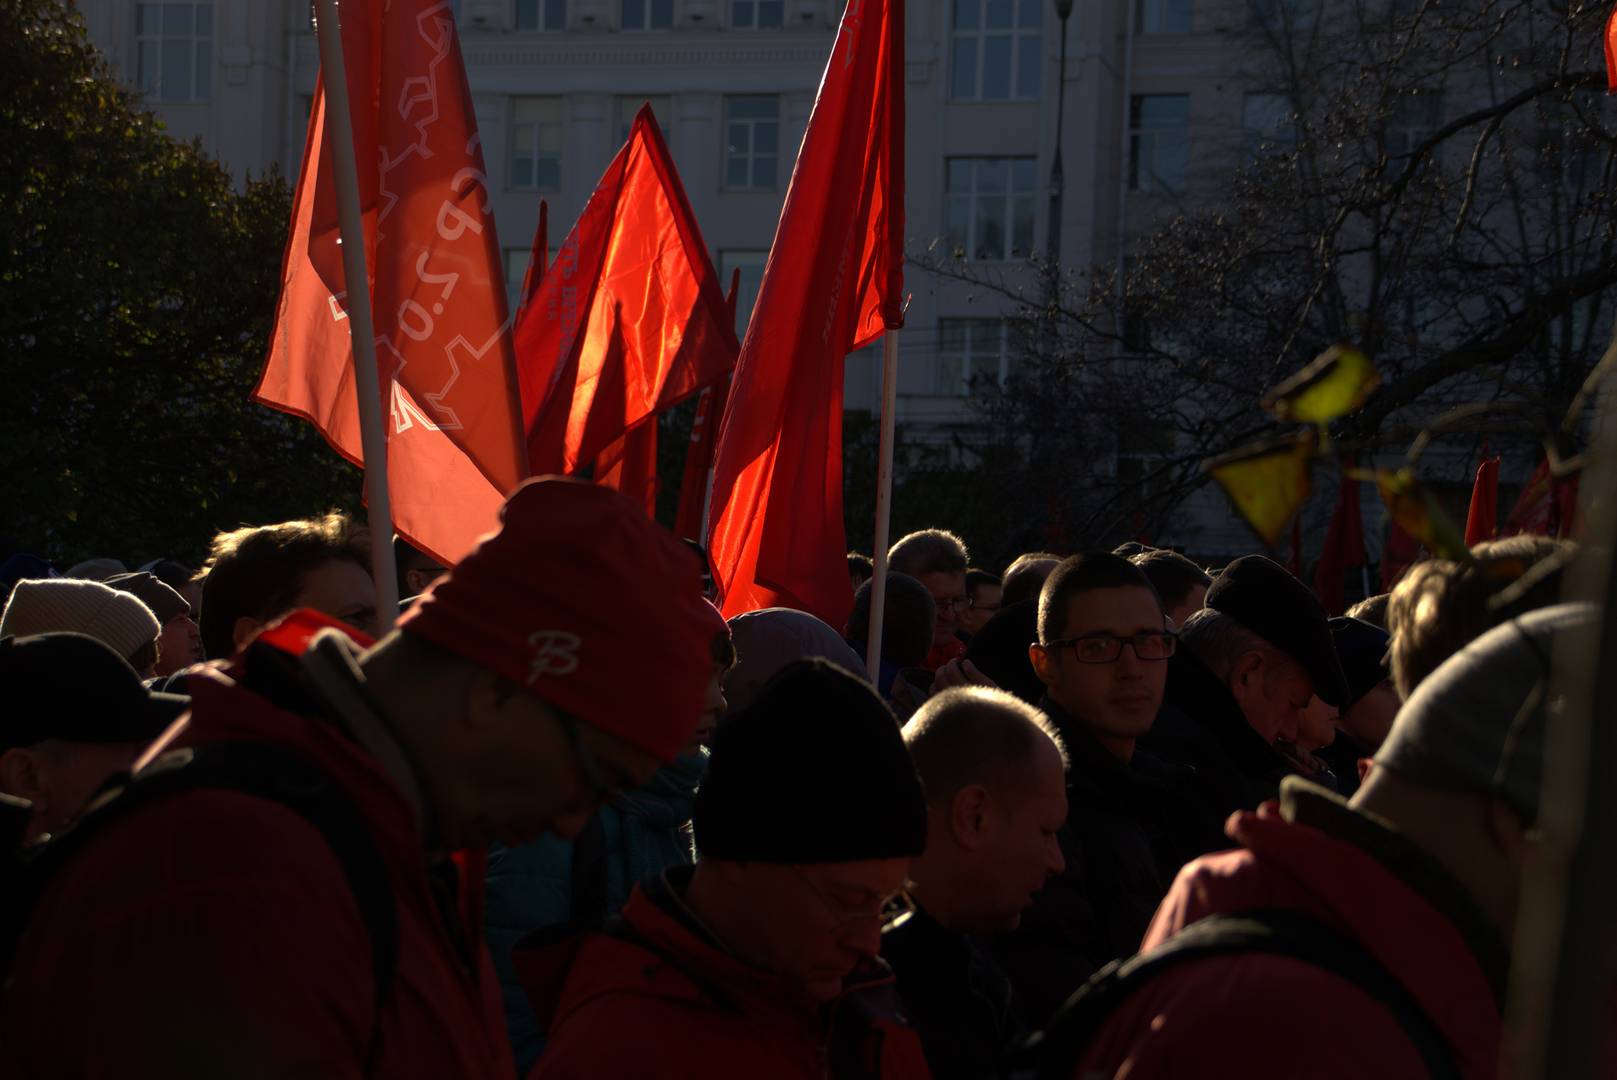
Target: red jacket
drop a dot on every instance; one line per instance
(1270, 1016)
(679, 1008)
(215, 934)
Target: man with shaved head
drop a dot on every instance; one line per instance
(994, 772)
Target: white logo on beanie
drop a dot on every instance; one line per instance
(555, 652)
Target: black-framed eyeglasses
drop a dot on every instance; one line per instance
(973, 605)
(1106, 648)
(951, 603)
(896, 908)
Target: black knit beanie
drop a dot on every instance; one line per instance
(815, 771)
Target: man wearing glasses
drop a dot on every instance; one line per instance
(1102, 654)
(222, 930)
(937, 559)
(761, 960)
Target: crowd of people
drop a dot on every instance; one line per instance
(1113, 814)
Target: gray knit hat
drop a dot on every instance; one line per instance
(1477, 723)
(54, 605)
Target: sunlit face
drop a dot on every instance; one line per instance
(824, 918)
(1274, 692)
(949, 601)
(344, 590)
(1120, 699)
(1024, 849)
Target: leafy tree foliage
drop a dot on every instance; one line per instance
(137, 286)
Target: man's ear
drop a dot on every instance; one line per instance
(1246, 677)
(245, 630)
(1044, 664)
(21, 775)
(968, 816)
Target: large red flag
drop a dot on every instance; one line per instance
(832, 284)
(1344, 545)
(441, 500)
(1482, 519)
(628, 322)
(693, 488)
(1611, 51)
(437, 287)
(1547, 506)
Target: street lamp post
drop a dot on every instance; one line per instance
(1057, 178)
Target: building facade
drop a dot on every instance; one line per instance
(1151, 95)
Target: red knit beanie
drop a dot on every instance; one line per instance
(591, 605)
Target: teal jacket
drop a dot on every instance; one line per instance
(532, 886)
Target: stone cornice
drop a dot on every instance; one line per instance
(572, 51)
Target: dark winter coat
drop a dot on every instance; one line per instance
(958, 999)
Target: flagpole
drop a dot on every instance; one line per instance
(884, 499)
(732, 300)
(373, 436)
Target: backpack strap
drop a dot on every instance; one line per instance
(260, 770)
(1270, 931)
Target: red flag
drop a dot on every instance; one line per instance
(1547, 506)
(1611, 51)
(1344, 545)
(626, 324)
(441, 500)
(1482, 520)
(694, 485)
(1400, 550)
(833, 283)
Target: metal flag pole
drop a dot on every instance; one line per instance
(339, 131)
(884, 501)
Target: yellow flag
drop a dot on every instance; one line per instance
(1335, 382)
(1267, 483)
(1417, 510)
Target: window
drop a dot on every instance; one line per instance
(989, 207)
(994, 50)
(1282, 16)
(516, 267)
(757, 14)
(541, 14)
(174, 51)
(1267, 125)
(751, 141)
(1412, 121)
(1163, 16)
(751, 265)
(647, 15)
(1159, 149)
(535, 152)
(972, 352)
(662, 107)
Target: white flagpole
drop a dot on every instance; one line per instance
(884, 500)
(339, 131)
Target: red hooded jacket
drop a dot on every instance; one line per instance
(676, 1006)
(1261, 1016)
(211, 933)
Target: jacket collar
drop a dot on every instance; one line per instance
(1308, 804)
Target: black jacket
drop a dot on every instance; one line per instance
(1129, 829)
(1202, 727)
(954, 996)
